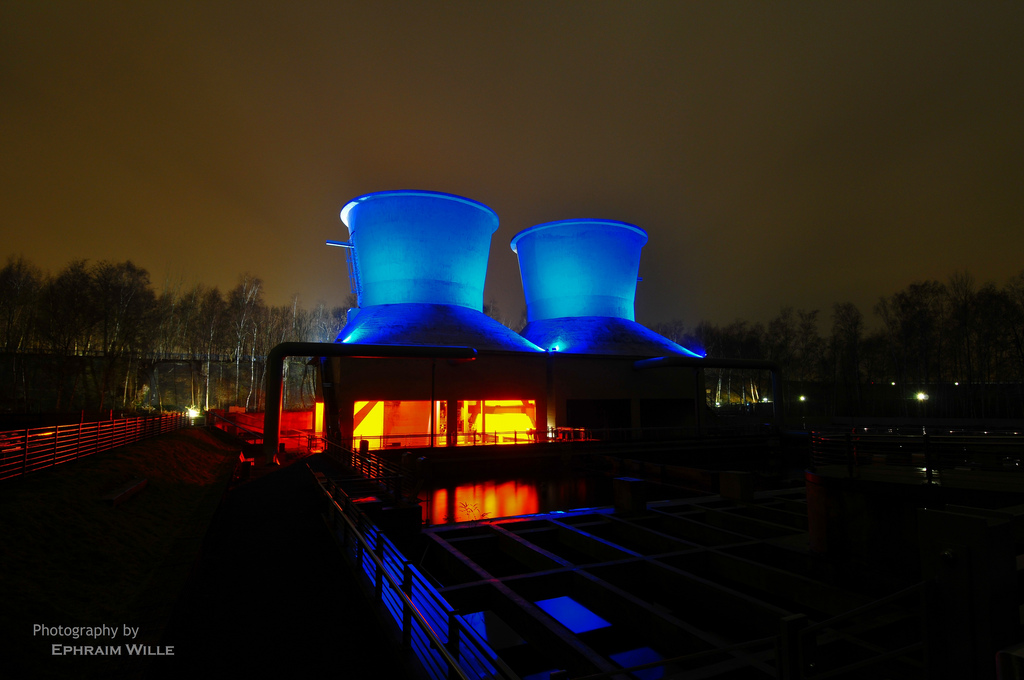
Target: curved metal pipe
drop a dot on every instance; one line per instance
(275, 368)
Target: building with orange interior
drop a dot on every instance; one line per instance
(417, 263)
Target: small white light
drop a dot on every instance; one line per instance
(192, 413)
(803, 398)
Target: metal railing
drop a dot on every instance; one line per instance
(420, 440)
(32, 449)
(450, 647)
(804, 652)
(447, 646)
(414, 440)
(233, 428)
(395, 479)
(932, 451)
(149, 356)
(443, 642)
(658, 434)
(300, 440)
(739, 649)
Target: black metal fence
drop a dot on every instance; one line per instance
(929, 449)
(395, 479)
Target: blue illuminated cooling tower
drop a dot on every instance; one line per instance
(420, 259)
(580, 277)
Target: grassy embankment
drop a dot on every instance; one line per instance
(70, 558)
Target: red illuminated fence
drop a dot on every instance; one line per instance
(32, 449)
(444, 643)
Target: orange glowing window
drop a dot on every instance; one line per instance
(497, 421)
(318, 417)
(407, 424)
(392, 424)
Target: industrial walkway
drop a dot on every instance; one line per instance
(271, 596)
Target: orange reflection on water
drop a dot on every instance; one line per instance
(485, 500)
(438, 506)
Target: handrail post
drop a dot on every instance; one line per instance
(928, 457)
(789, 657)
(378, 550)
(453, 642)
(344, 532)
(850, 457)
(406, 609)
(359, 544)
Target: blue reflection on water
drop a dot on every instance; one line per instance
(637, 657)
(572, 614)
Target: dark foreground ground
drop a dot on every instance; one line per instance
(272, 597)
(239, 583)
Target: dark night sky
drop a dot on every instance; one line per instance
(777, 153)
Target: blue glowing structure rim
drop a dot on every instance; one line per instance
(563, 223)
(348, 207)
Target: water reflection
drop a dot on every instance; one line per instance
(572, 614)
(466, 501)
(638, 657)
